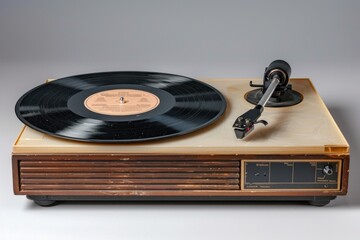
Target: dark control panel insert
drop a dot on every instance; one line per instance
(293, 174)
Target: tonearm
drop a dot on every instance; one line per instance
(275, 85)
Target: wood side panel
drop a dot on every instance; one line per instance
(100, 163)
(102, 187)
(132, 175)
(345, 175)
(127, 181)
(15, 173)
(216, 158)
(128, 169)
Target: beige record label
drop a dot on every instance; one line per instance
(122, 102)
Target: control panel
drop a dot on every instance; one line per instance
(292, 174)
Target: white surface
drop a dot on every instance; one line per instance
(320, 39)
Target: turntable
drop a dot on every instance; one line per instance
(155, 136)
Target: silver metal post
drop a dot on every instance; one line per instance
(265, 98)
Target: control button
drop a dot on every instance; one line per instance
(328, 170)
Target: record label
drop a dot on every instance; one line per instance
(122, 102)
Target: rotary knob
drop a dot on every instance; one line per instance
(328, 170)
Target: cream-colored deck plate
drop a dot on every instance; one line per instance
(306, 128)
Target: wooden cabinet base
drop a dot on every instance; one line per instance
(47, 179)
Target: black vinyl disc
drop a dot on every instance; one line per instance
(120, 106)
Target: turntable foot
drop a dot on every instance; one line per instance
(45, 203)
(319, 203)
(42, 201)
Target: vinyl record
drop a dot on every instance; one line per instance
(120, 106)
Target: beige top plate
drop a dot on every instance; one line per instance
(304, 128)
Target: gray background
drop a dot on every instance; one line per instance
(48, 39)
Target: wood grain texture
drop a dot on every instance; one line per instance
(83, 175)
(149, 175)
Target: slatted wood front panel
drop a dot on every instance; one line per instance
(128, 175)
